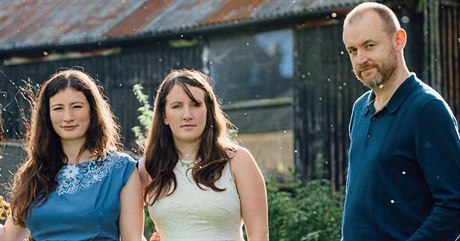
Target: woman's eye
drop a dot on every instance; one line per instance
(196, 104)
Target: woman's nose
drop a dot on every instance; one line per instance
(187, 113)
(68, 116)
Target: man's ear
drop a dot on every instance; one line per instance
(400, 39)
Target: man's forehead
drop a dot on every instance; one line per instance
(368, 19)
(366, 28)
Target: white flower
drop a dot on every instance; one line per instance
(70, 171)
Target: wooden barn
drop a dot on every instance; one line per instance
(279, 67)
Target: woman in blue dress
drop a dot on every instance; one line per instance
(74, 184)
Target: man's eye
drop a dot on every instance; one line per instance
(369, 46)
(351, 51)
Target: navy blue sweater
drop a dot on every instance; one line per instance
(404, 168)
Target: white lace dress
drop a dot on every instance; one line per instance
(193, 214)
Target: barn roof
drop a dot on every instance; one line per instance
(40, 23)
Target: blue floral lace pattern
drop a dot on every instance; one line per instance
(73, 178)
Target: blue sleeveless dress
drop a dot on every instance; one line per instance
(86, 204)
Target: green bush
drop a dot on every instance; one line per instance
(305, 212)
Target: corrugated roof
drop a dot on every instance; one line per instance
(33, 23)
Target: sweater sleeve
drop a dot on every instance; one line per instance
(438, 152)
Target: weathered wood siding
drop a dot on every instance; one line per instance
(324, 94)
(449, 28)
(145, 63)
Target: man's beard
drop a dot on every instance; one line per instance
(385, 71)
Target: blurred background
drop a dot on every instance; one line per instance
(279, 66)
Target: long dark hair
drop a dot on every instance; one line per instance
(160, 154)
(35, 178)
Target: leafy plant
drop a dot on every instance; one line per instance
(5, 209)
(149, 228)
(305, 212)
(145, 117)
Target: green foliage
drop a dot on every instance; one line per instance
(149, 228)
(307, 212)
(145, 117)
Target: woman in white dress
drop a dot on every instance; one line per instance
(199, 183)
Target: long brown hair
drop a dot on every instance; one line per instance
(35, 178)
(160, 154)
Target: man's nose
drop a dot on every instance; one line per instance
(361, 56)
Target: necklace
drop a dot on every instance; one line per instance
(188, 163)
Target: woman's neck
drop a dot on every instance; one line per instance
(74, 152)
(187, 151)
